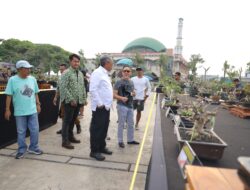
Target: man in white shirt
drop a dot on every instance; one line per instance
(101, 100)
(142, 91)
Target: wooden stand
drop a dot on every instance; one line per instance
(240, 111)
(226, 106)
(199, 178)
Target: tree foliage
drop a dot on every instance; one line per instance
(139, 60)
(162, 63)
(232, 73)
(83, 59)
(194, 60)
(226, 66)
(45, 56)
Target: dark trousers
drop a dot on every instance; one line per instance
(70, 115)
(98, 129)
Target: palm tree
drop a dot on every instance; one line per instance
(193, 61)
(162, 62)
(206, 70)
(226, 66)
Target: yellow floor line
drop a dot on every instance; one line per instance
(142, 145)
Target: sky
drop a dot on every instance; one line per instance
(219, 30)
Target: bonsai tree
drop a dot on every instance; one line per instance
(204, 122)
(246, 100)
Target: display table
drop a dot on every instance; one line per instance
(199, 178)
(47, 117)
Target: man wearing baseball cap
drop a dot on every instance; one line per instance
(142, 90)
(23, 89)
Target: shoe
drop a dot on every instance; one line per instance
(98, 156)
(121, 145)
(59, 132)
(67, 145)
(19, 155)
(136, 127)
(37, 152)
(107, 151)
(74, 140)
(108, 138)
(134, 142)
(78, 129)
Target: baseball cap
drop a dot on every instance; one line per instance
(23, 64)
(139, 69)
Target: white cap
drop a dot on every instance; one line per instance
(23, 64)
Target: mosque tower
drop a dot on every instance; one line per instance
(178, 47)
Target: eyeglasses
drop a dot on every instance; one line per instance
(127, 71)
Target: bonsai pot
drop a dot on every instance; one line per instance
(193, 91)
(159, 89)
(205, 94)
(215, 98)
(187, 122)
(207, 148)
(230, 102)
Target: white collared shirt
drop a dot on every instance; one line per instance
(100, 89)
(142, 87)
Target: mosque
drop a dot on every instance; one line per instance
(151, 49)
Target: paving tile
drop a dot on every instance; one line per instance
(94, 163)
(141, 169)
(7, 152)
(48, 157)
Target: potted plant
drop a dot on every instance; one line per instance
(202, 138)
(246, 100)
(186, 114)
(171, 89)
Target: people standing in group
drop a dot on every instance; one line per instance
(124, 92)
(62, 69)
(73, 96)
(101, 101)
(142, 91)
(23, 90)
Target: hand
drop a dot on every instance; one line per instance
(124, 99)
(7, 114)
(132, 93)
(73, 103)
(55, 101)
(38, 108)
(145, 98)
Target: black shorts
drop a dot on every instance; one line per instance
(138, 105)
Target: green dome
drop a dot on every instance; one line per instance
(148, 43)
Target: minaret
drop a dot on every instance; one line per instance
(178, 47)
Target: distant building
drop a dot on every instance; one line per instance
(151, 49)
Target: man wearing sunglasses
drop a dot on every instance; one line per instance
(124, 92)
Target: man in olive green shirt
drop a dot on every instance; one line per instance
(73, 96)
